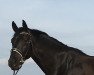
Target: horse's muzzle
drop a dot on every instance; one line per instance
(13, 66)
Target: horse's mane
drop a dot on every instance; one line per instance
(38, 32)
(42, 34)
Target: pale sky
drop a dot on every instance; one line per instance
(69, 21)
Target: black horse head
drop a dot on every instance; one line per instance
(21, 46)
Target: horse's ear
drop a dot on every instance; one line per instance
(14, 26)
(24, 24)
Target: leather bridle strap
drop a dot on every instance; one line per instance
(18, 52)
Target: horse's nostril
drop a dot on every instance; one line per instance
(14, 65)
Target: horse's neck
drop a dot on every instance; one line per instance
(44, 52)
(37, 62)
(46, 49)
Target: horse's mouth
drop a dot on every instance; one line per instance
(14, 67)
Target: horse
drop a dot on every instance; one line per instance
(51, 55)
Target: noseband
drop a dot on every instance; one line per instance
(17, 51)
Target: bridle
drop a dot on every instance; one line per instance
(18, 52)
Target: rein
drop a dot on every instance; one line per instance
(15, 72)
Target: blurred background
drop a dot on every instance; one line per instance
(69, 21)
